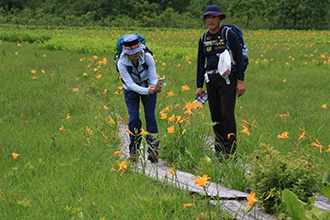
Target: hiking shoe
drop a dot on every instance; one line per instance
(153, 157)
(132, 157)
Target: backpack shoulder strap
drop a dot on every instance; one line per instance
(224, 35)
(204, 39)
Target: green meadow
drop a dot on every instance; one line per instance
(61, 102)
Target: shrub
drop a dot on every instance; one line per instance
(272, 172)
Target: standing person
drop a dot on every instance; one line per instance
(221, 96)
(138, 72)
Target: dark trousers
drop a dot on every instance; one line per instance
(132, 100)
(222, 99)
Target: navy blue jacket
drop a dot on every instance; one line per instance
(214, 44)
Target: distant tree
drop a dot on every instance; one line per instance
(316, 13)
(305, 13)
(247, 8)
(10, 4)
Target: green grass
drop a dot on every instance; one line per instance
(63, 173)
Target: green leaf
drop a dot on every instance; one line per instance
(310, 203)
(205, 161)
(321, 215)
(326, 178)
(295, 207)
(326, 190)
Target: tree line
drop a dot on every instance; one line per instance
(250, 14)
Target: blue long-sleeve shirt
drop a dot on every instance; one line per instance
(209, 46)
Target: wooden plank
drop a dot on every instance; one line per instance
(322, 203)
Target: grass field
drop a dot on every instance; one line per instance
(61, 102)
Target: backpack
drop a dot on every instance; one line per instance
(119, 48)
(239, 34)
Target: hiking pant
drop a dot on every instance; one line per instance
(132, 100)
(222, 99)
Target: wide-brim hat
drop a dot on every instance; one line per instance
(132, 45)
(213, 10)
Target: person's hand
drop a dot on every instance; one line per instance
(240, 88)
(151, 89)
(159, 89)
(199, 92)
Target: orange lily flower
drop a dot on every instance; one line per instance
(202, 181)
(163, 115)
(245, 130)
(188, 111)
(112, 121)
(128, 131)
(230, 134)
(324, 106)
(185, 88)
(187, 205)
(328, 149)
(283, 135)
(62, 128)
(170, 94)
(171, 172)
(122, 166)
(189, 106)
(88, 130)
(284, 115)
(252, 200)
(113, 169)
(117, 153)
(245, 122)
(178, 118)
(201, 114)
(168, 108)
(172, 118)
(198, 105)
(15, 155)
(143, 132)
(68, 116)
(318, 145)
(105, 138)
(171, 130)
(302, 136)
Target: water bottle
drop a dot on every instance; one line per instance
(245, 51)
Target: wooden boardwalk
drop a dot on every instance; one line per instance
(232, 201)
